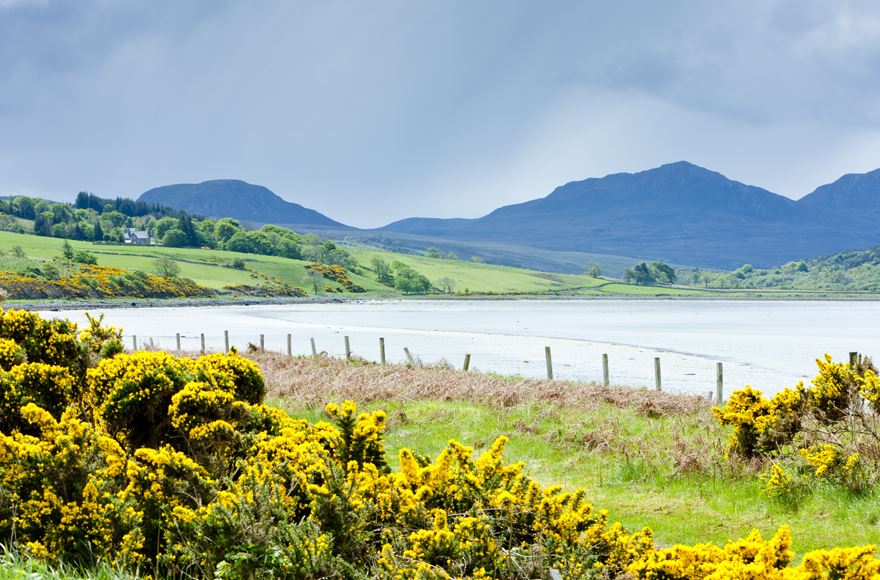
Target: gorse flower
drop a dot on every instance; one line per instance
(175, 465)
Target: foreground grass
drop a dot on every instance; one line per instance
(16, 566)
(655, 461)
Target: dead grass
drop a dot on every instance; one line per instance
(316, 380)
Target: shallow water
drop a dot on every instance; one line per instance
(767, 344)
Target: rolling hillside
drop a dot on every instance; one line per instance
(238, 199)
(211, 268)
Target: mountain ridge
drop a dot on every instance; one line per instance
(678, 212)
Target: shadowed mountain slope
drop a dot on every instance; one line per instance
(236, 199)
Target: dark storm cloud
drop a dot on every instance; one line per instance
(375, 111)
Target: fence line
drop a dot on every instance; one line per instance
(718, 394)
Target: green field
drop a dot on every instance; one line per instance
(211, 268)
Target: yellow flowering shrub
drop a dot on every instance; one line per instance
(777, 482)
(237, 375)
(828, 431)
(53, 342)
(11, 354)
(176, 466)
(132, 394)
(761, 425)
(49, 386)
(835, 389)
(94, 281)
(751, 557)
(60, 487)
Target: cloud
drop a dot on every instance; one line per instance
(376, 111)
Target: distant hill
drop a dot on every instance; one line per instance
(236, 199)
(851, 271)
(678, 212)
(855, 194)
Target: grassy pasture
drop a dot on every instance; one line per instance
(650, 459)
(211, 268)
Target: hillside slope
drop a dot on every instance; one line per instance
(237, 199)
(854, 193)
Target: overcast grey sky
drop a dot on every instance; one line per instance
(377, 110)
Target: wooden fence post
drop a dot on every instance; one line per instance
(382, 350)
(549, 361)
(347, 349)
(605, 374)
(853, 359)
(314, 350)
(134, 342)
(178, 342)
(262, 343)
(719, 383)
(289, 345)
(467, 361)
(657, 382)
(203, 343)
(226, 340)
(409, 356)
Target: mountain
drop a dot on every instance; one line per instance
(236, 199)
(852, 193)
(678, 212)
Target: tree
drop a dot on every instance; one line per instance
(250, 243)
(383, 271)
(43, 224)
(174, 238)
(446, 284)
(645, 274)
(663, 273)
(189, 231)
(316, 279)
(23, 207)
(433, 253)
(225, 229)
(311, 247)
(67, 251)
(166, 267)
(98, 234)
(407, 280)
(593, 270)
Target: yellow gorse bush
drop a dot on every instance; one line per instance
(93, 281)
(829, 431)
(176, 466)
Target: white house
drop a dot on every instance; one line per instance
(137, 237)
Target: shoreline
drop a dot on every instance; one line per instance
(56, 305)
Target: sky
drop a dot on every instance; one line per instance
(375, 111)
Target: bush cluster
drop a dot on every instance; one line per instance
(176, 466)
(92, 281)
(828, 431)
(335, 273)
